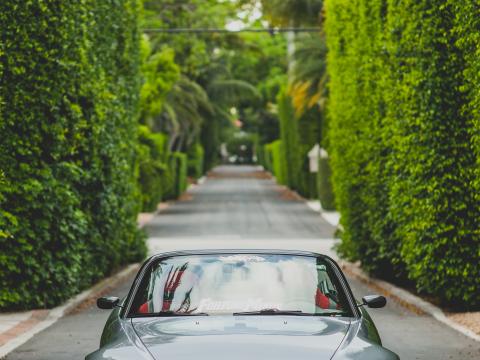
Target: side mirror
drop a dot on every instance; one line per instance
(107, 302)
(374, 301)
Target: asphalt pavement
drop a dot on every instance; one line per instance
(239, 207)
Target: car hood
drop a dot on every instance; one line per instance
(242, 337)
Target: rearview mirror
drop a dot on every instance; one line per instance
(107, 302)
(374, 301)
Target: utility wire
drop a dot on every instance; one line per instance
(226, 31)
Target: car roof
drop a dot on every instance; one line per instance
(237, 251)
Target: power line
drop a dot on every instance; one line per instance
(226, 31)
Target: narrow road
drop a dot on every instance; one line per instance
(239, 207)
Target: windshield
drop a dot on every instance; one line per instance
(243, 283)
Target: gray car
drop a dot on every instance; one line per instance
(240, 305)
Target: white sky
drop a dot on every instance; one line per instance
(246, 18)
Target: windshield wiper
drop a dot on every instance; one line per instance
(286, 312)
(272, 312)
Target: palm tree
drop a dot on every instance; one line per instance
(189, 104)
(309, 76)
(184, 109)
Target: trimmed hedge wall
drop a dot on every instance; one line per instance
(68, 100)
(404, 121)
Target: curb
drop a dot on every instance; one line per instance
(57, 313)
(145, 218)
(405, 298)
(332, 217)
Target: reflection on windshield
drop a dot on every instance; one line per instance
(224, 284)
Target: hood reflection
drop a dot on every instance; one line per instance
(240, 337)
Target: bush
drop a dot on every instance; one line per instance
(279, 165)
(267, 157)
(309, 132)
(153, 155)
(170, 189)
(325, 191)
(404, 140)
(196, 156)
(181, 181)
(210, 140)
(290, 141)
(68, 121)
(298, 135)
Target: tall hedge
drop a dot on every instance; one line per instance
(68, 124)
(358, 135)
(404, 139)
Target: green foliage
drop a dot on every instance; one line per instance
(196, 156)
(197, 107)
(358, 137)
(181, 181)
(308, 83)
(298, 136)
(279, 165)
(153, 156)
(192, 53)
(265, 157)
(404, 139)
(310, 133)
(68, 121)
(160, 74)
(210, 138)
(170, 188)
(290, 140)
(325, 191)
(261, 60)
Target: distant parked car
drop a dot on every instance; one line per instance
(236, 305)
